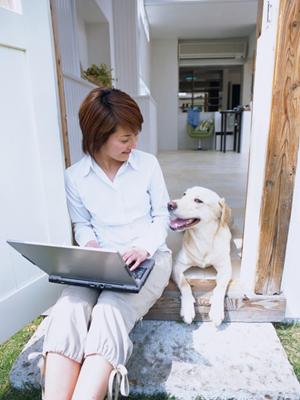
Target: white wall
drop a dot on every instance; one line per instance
(91, 34)
(246, 132)
(106, 8)
(148, 136)
(71, 27)
(66, 14)
(82, 42)
(143, 59)
(98, 42)
(291, 275)
(125, 16)
(164, 89)
(75, 91)
(248, 69)
(132, 66)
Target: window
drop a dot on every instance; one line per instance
(200, 87)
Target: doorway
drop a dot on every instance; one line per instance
(214, 73)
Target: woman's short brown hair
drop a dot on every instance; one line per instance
(102, 112)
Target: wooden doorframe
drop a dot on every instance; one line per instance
(282, 151)
(60, 85)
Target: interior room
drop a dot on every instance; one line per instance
(209, 90)
(203, 61)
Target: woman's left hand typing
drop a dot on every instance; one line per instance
(134, 256)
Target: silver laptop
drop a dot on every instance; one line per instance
(85, 266)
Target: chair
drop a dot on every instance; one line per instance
(235, 118)
(204, 130)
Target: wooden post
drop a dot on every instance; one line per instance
(282, 152)
(260, 8)
(60, 82)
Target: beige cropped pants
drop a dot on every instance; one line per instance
(83, 323)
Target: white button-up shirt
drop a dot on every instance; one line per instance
(129, 211)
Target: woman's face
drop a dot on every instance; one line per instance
(119, 145)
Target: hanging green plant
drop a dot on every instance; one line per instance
(98, 75)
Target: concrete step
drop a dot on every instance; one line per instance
(238, 361)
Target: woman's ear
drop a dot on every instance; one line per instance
(225, 218)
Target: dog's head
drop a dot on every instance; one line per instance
(197, 205)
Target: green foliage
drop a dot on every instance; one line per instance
(99, 75)
(9, 351)
(13, 394)
(289, 335)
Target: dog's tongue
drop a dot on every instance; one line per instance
(178, 223)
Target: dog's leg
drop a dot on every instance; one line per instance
(187, 311)
(216, 313)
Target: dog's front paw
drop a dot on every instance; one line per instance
(187, 311)
(216, 314)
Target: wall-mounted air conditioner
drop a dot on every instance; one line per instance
(212, 51)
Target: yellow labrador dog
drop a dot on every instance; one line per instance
(204, 218)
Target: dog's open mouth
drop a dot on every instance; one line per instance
(179, 223)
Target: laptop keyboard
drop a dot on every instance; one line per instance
(138, 273)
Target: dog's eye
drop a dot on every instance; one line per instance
(198, 201)
(184, 194)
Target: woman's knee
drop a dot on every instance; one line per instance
(68, 326)
(108, 335)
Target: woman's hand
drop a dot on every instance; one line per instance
(92, 243)
(135, 256)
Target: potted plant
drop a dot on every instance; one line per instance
(98, 75)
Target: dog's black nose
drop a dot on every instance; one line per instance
(172, 205)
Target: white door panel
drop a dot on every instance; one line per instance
(20, 216)
(32, 198)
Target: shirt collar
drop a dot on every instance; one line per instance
(132, 161)
(88, 163)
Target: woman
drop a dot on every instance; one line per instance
(117, 199)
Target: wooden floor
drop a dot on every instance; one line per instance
(225, 173)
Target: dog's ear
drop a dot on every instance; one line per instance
(225, 217)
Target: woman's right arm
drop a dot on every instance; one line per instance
(80, 216)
